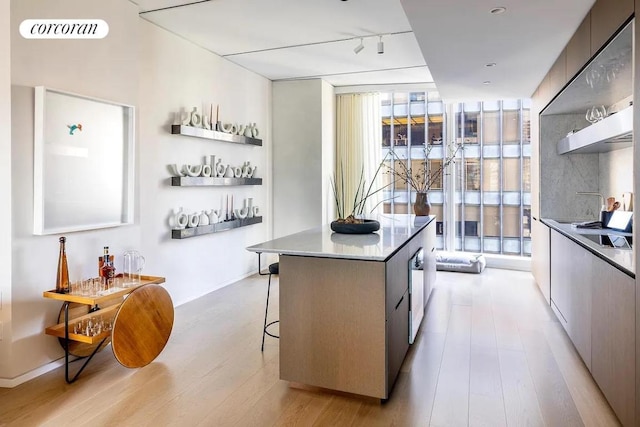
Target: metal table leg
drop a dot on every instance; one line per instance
(66, 348)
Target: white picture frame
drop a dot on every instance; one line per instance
(83, 163)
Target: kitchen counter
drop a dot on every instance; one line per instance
(395, 231)
(348, 303)
(622, 259)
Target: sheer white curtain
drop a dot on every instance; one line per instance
(358, 147)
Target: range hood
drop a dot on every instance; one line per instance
(611, 133)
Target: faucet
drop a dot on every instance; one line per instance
(593, 193)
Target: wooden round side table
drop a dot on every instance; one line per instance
(142, 326)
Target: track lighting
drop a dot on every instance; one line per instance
(380, 46)
(359, 48)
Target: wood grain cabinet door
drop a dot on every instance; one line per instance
(613, 338)
(541, 258)
(579, 48)
(571, 267)
(397, 338)
(607, 16)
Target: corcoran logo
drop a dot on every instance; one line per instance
(64, 29)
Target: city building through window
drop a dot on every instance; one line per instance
(486, 194)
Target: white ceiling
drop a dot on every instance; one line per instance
(293, 39)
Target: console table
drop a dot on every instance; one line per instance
(142, 322)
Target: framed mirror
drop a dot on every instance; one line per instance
(83, 163)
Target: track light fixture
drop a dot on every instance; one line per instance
(360, 46)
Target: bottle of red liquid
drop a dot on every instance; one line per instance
(107, 270)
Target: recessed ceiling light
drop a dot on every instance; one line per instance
(486, 82)
(490, 64)
(498, 10)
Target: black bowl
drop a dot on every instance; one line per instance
(366, 227)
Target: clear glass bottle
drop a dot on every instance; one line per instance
(62, 279)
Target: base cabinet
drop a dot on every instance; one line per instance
(541, 257)
(595, 303)
(571, 291)
(613, 338)
(429, 259)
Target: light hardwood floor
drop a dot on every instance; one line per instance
(489, 353)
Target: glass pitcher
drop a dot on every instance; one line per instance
(133, 265)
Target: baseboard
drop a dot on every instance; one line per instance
(222, 285)
(14, 382)
(508, 262)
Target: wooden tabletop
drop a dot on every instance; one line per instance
(142, 326)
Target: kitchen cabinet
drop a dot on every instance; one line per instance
(571, 268)
(397, 335)
(579, 47)
(613, 337)
(541, 257)
(429, 264)
(558, 73)
(606, 17)
(595, 303)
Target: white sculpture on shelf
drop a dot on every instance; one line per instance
(203, 219)
(210, 122)
(213, 167)
(213, 216)
(175, 171)
(196, 119)
(249, 206)
(179, 219)
(194, 170)
(194, 220)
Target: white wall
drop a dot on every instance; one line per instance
(5, 185)
(141, 65)
(176, 74)
(106, 69)
(328, 151)
(303, 112)
(616, 173)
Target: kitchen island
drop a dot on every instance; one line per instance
(345, 303)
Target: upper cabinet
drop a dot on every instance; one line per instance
(598, 97)
(578, 49)
(606, 17)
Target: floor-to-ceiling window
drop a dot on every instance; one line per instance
(486, 194)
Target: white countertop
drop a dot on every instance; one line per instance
(395, 231)
(623, 259)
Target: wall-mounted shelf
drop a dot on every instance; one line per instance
(214, 135)
(214, 228)
(199, 181)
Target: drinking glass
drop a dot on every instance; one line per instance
(86, 287)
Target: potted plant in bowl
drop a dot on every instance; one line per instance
(424, 177)
(352, 221)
